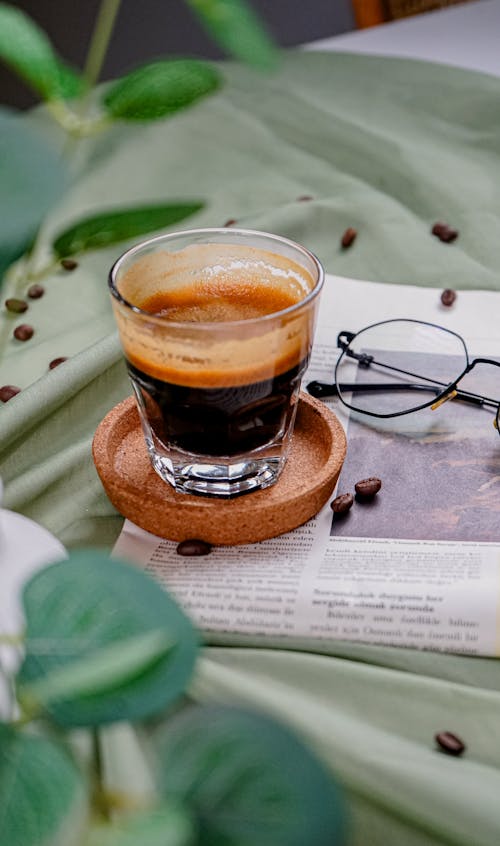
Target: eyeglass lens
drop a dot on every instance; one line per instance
(414, 361)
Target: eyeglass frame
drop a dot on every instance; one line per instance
(321, 390)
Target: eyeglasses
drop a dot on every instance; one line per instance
(424, 362)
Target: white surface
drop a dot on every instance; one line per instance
(24, 548)
(467, 35)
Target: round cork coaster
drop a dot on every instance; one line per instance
(137, 492)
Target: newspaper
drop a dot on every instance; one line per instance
(420, 565)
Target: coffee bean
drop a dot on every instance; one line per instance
(69, 264)
(305, 198)
(444, 232)
(35, 292)
(8, 391)
(448, 297)
(230, 222)
(16, 306)
(342, 503)
(57, 361)
(367, 488)
(193, 547)
(348, 237)
(449, 743)
(24, 332)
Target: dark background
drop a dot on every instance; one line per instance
(146, 29)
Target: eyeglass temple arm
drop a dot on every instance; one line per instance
(327, 389)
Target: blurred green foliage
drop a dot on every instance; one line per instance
(104, 643)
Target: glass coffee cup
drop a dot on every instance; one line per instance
(217, 327)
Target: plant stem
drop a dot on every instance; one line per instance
(11, 640)
(100, 40)
(101, 805)
(75, 123)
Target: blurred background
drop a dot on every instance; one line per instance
(146, 29)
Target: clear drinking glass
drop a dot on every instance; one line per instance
(217, 327)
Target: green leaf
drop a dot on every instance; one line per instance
(42, 795)
(169, 824)
(160, 88)
(248, 780)
(25, 48)
(89, 603)
(32, 178)
(236, 28)
(105, 669)
(114, 226)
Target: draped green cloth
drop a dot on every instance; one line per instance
(387, 146)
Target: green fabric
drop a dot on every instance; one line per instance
(387, 146)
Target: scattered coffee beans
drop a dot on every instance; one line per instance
(348, 237)
(23, 332)
(367, 488)
(341, 504)
(8, 391)
(230, 222)
(16, 306)
(69, 264)
(35, 292)
(448, 297)
(193, 547)
(449, 743)
(444, 232)
(57, 361)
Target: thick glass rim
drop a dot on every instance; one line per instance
(226, 233)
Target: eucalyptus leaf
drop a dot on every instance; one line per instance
(248, 780)
(105, 669)
(169, 825)
(160, 88)
(32, 178)
(42, 794)
(236, 28)
(111, 227)
(25, 48)
(89, 603)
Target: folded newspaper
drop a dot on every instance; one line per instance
(419, 566)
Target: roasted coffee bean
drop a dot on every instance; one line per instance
(193, 547)
(448, 297)
(342, 503)
(367, 488)
(230, 222)
(23, 332)
(8, 391)
(449, 743)
(444, 232)
(348, 237)
(57, 361)
(69, 264)
(16, 306)
(305, 198)
(35, 292)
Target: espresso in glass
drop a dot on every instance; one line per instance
(217, 328)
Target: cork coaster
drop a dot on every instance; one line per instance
(137, 492)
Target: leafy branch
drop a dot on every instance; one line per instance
(106, 644)
(33, 175)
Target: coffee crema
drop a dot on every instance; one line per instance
(229, 287)
(219, 301)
